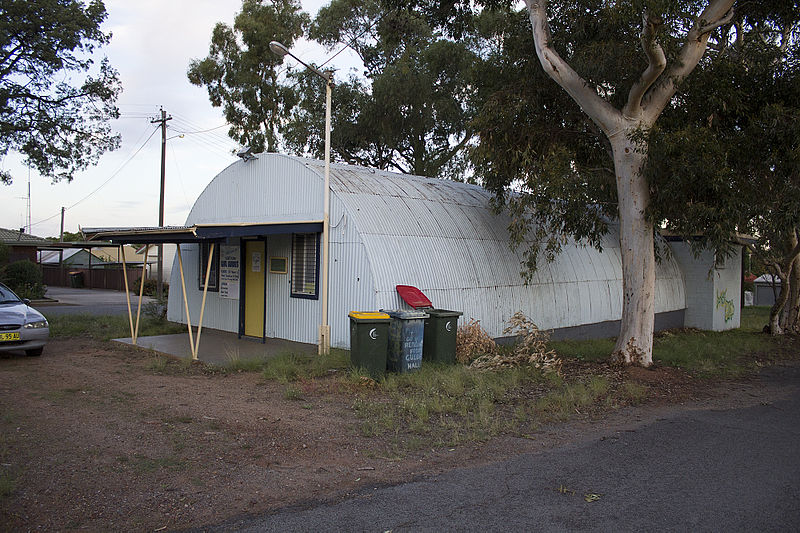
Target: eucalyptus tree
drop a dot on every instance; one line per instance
(242, 75)
(579, 160)
(732, 148)
(409, 110)
(55, 101)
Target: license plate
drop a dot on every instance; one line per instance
(14, 336)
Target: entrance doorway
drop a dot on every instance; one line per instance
(255, 295)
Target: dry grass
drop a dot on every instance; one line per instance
(530, 349)
(472, 341)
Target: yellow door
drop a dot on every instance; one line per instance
(254, 259)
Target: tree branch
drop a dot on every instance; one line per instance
(448, 154)
(587, 98)
(708, 28)
(656, 63)
(660, 93)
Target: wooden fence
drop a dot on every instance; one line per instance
(95, 278)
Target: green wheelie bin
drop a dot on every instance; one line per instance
(369, 341)
(440, 336)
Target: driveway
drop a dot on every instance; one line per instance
(69, 301)
(713, 469)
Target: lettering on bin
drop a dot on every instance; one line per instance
(448, 326)
(373, 333)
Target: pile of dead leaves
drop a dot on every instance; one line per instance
(472, 341)
(529, 349)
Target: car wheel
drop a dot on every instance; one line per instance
(35, 352)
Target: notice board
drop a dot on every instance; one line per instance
(229, 258)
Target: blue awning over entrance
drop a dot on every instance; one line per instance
(197, 232)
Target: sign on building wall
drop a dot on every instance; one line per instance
(229, 272)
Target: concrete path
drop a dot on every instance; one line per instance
(69, 301)
(216, 347)
(730, 469)
(220, 347)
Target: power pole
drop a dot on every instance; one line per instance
(163, 120)
(61, 250)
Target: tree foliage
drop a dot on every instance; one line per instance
(242, 74)
(412, 112)
(55, 102)
(727, 159)
(409, 110)
(573, 143)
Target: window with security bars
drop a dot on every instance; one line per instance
(305, 265)
(213, 279)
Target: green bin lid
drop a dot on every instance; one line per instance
(443, 313)
(368, 315)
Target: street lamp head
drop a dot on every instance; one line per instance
(278, 49)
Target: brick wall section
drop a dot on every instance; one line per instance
(713, 299)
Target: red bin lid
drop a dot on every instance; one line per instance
(413, 296)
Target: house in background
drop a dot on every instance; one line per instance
(766, 289)
(152, 259)
(70, 258)
(21, 245)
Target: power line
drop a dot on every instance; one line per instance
(114, 175)
(200, 131)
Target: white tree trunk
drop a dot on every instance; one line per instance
(792, 323)
(647, 98)
(635, 341)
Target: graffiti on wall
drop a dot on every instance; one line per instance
(726, 304)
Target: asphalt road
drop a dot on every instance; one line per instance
(731, 469)
(69, 301)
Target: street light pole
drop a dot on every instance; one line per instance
(324, 339)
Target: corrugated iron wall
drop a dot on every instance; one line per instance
(388, 229)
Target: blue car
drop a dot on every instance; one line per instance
(22, 328)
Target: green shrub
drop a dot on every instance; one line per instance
(24, 278)
(150, 287)
(5, 253)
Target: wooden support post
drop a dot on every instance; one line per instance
(185, 300)
(203, 305)
(127, 294)
(141, 291)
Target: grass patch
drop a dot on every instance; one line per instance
(7, 485)
(727, 354)
(703, 353)
(236, 364)
(108, 327)
(571, 398)
(634, 393)
(289, 367)
(157, 364)
(292, 393)
(586, 350)
(442, 405)
(451, 405)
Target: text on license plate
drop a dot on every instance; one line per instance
(13, 336)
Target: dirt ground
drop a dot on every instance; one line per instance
(92, 438)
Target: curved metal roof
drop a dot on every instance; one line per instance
(440, 236)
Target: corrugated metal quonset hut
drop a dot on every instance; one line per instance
(386, 229)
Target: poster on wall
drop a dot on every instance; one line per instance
(229, 272)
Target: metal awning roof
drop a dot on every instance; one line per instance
(197, 232)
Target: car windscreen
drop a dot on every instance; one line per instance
(6, 296)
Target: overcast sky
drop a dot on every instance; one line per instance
(153, 42)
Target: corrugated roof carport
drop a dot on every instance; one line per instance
(198, 233)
